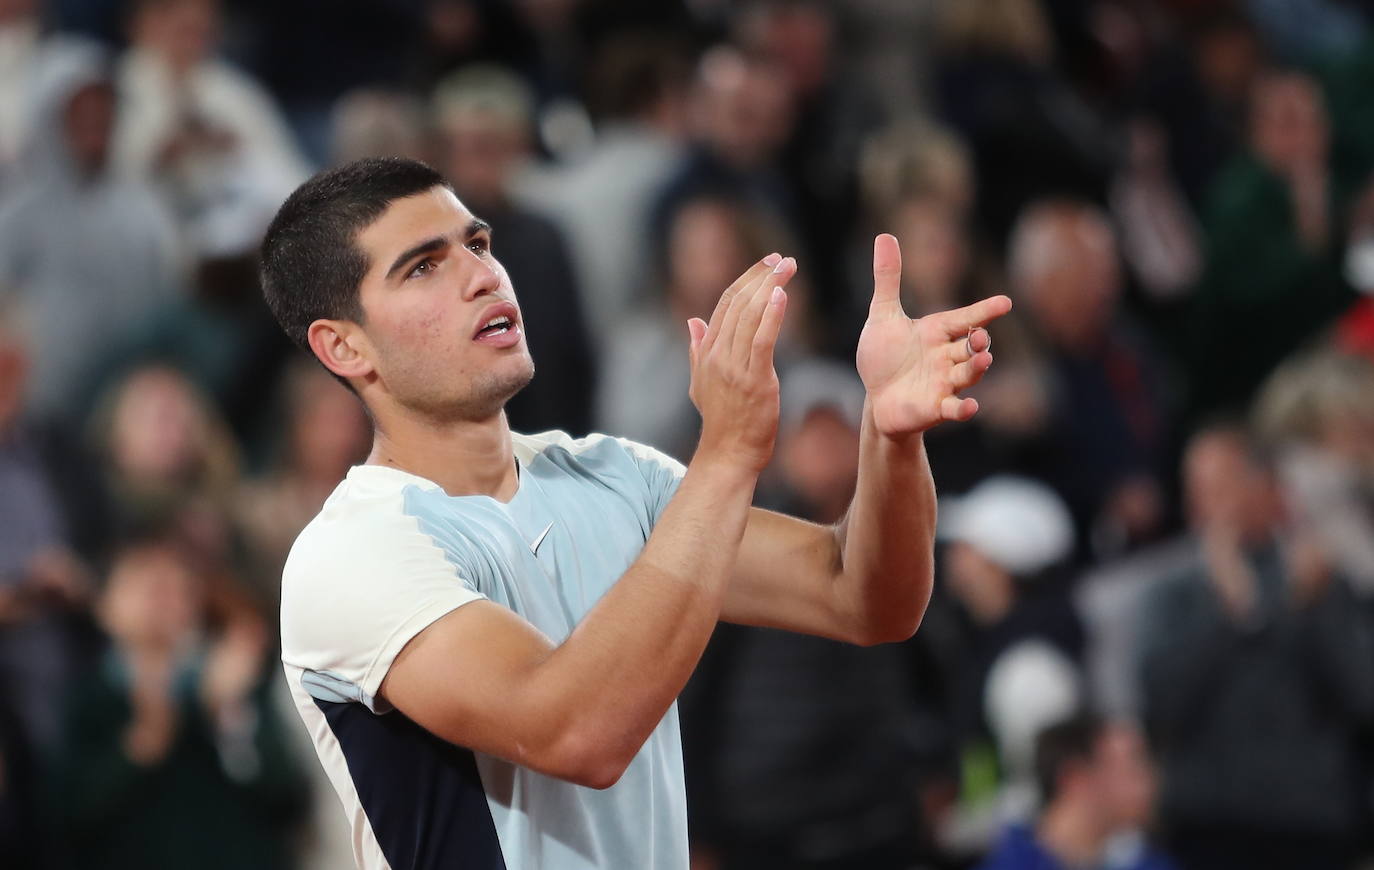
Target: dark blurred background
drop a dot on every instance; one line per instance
(1152, 638)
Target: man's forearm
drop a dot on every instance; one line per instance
(630, 657)
(887, 538)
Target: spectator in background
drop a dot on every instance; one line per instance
(1274, 228)
(801, 751)
(1098, 790)
(44, 585)
(171, 756)
(207, 133)
(602, 198)
(1160, 237)
(643, 392)
(168, 458)
(1317, 414)
(373, 122)
(1108, 417)
(1031, 136)
(1007, 544)
(484, 116)
(742, 112)
(833, 115)
(327, 432)
(84, 253)
(1197, 87)
(1258, 672)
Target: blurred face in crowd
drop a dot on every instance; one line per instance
(1228, 58)
(158, 428)
(329, 432)
(1069, 274)
(1289, 130)
(1223, 489)
(1122, 779)
(744, 108)
(820, 459)
(479, 151)
(153, 600)
(935, 254)
(182, 32)
(705, 254)
(982, 586)
(796, 37)
(432, 286)
(87, 123)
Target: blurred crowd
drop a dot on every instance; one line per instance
(1151, 644)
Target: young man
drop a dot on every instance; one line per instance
(484, 631)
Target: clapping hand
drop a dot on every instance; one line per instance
(914, 370)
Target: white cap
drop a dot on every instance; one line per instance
(1030, 687)
(809, 384)
(1020, 524)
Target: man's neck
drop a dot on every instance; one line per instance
(464, 457)
(1072, 835)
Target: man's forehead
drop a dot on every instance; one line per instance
(434, 212)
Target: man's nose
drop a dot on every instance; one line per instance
(484, 277)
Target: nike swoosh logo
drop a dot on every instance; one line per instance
(534, 547)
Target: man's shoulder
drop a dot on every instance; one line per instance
(364, 519)
(592, 450)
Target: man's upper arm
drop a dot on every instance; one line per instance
(470, 679)
(355, 591)
(377, 613)
(786, 571)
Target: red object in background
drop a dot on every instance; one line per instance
(1355, 329)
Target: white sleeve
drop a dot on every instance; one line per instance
(354, 593)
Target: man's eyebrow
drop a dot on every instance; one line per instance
(428, 246)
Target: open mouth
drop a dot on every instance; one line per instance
(498, 325)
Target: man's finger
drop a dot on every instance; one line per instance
(752, 314)
(723, 334)
(770, 326)
(970, 372)
(958, 410)
(887, 272)
(751, 275)
(958, 322)
(696, 331)
(975, 342)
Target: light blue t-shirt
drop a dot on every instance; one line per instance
(388, 555)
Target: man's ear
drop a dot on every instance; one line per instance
(342, 347)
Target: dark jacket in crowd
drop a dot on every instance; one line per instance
(1254, 724)
(206, 804)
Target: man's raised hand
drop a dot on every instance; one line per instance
(914, 370)
(734, 384)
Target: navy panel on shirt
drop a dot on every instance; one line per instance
(422, 795)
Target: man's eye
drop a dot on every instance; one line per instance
(479, 245)
(423, 267)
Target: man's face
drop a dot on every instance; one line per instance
(431, 289)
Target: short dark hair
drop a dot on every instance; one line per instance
(1072, 741)
(311, 263)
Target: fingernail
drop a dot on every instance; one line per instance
(772, 259)
(782, 264)
(776, 298)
